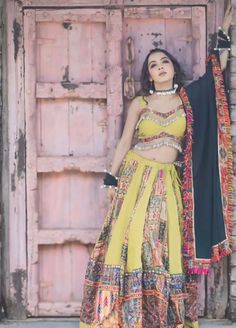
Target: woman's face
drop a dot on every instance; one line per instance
(160, 67)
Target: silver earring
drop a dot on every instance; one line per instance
(151, 91)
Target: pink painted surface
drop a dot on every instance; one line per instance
(66, 272)
(74, 61)
(70, 200)
(13, 198)
(73, 119)
(74, 127)
(170, 29)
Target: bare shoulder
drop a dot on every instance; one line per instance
(135, 106)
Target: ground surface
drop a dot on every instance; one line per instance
(73, 323)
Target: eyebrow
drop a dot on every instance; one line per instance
(154, 61)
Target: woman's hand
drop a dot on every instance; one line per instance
(228, 16)
(226, 25)
(110, 194)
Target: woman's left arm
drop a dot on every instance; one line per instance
(224, 55)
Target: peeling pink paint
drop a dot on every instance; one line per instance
(74, 70)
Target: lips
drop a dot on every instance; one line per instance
(162, 73)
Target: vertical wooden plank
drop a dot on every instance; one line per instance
(2, 46)
(199, 41)
(114, 79)
(63, 267)
(14, 168)
(179, 40)
(55, 267)
(98, 60)
(211, 22)
(53, 130)
(31, 159)
(87, 127)
(87, 52)
(54, 200)
(77, 36)
(202, 296)
(217, 290)
(88, 204)
(51, 49)
(99, 128)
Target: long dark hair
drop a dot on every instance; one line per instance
(146, 85)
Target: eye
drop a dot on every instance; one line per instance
(153, 65)
(166, 61)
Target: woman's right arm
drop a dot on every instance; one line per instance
(125, 141)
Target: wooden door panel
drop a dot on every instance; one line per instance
(59, 269)
(180, 30)
(70, 201)
(144, 33)
(72, 128)
(56, 43)
(88, 139)
(92, 57)
(86, 64)
(87, 205)
(53, 130)
(53, 197)
(51, 47)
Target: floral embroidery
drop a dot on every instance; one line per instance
(148, 296)
(187, 186)
(143, 292)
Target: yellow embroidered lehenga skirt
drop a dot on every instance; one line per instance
(135, 276)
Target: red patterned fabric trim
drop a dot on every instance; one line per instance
(221, 250)
(113, 298)
(187, 186)
(161, 135)
(225, 155)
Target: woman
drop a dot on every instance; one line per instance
(163, 228)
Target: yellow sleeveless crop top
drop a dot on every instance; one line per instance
(155, 129)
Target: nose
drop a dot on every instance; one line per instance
(160, 67)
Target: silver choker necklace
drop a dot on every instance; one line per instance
(165, 92)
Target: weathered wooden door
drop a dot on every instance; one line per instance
(74, 61)
(73, 107)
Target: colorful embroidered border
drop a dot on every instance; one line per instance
(225, 155)
(121, 299)
(187, 186)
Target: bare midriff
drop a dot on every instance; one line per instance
(164, 154)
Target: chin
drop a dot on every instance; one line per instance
(170, 81)
(165, 79)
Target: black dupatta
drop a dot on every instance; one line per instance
(207, 171)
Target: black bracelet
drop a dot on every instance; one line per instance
(109, 180)
(223, 41)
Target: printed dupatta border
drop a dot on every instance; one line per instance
(225, 155)
(187, 186)
(225, 159)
